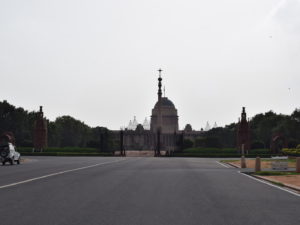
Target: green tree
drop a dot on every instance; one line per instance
(71, 132)
(187, 143)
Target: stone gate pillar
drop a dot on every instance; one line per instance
(40, 133)
(243, 133)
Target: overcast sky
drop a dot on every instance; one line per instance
(97, 60)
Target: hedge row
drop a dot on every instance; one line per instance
(65, 154)
(60, 150)
(223, 151)
(275, 173)
(291, 151)
(209, 150)
(219, 155)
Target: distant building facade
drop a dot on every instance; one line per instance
(164, 119)
(134, 123)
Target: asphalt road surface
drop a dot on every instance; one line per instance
(138, 191)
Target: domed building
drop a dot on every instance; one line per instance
(163, 131)
(169, 120)
(164, 114)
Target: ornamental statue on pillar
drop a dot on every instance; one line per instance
(40, 133)
(243, 133)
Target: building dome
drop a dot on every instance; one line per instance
(146, 124)
(169, 117)
(165, 102)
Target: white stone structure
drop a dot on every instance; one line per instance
(207, 127)
(146, 124)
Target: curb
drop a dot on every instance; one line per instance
(235, 166)
(296, 188)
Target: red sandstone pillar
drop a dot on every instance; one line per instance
(298, 164)
(40, 134)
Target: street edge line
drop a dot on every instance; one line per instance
(222, 164)
(270, 184)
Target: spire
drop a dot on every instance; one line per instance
(207, 127)
(159, 85)
(134, 123)
(146, 124)
(130, 125)
(41, 112)
(244, 115)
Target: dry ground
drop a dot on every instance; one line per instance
(288, 180)
(265, 164)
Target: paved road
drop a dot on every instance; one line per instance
(139, 191)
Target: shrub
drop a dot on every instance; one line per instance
(211, 150)
(210, 142)
(27, 143)
(260, 151)
(274, 173)
(213, 142)
(292, 143)
(187, 143)
(291, 151)
(200, 142)
(218, 155)
(65, 154)
(223, 152)
(60, 150)
(257, 144)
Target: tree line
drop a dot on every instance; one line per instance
(67, 131)
(263, 127)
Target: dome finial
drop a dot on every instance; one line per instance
(159, 85)
(160, 70)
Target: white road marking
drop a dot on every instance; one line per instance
(59, 173)
(222, 164)
(270, 184)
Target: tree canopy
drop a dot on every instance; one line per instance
(67, 131)
(263, 127)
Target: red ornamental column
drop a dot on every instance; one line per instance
(40, 135)
(243, 133)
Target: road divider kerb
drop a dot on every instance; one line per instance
(58, 173)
